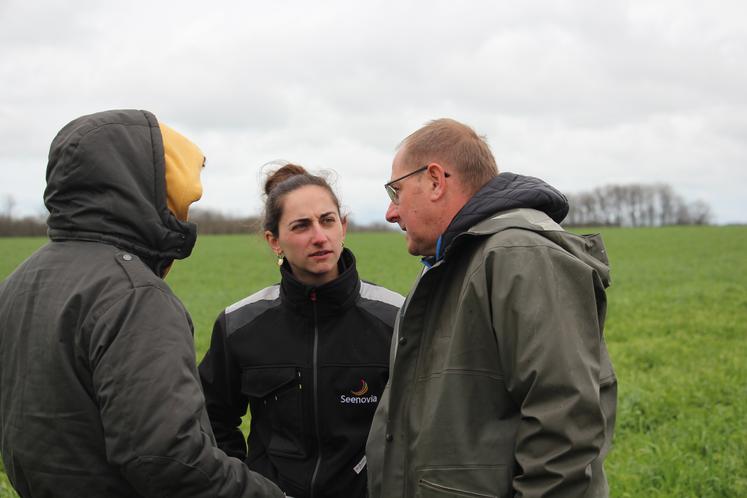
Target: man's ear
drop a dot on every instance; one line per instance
(436, 176)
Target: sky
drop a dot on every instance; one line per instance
(580, 93)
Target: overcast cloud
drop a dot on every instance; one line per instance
(579, 93)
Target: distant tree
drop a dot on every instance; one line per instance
(28, 226)
(9, 203)
(214, 222)
(700, 213)
(635, 205)
(370, 227)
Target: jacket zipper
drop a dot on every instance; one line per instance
(312, 296)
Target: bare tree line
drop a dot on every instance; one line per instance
(27, 226)
(635, 205)
(208, 222)
(215, 222)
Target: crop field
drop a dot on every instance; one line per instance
(676, 331)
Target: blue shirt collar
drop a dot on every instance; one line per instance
(429, 261)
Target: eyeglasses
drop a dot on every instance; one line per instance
(394, 193)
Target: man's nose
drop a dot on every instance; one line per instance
(392, 213)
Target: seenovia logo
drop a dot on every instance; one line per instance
(358, 396)
(362, 390)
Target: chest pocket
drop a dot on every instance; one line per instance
(277, 392)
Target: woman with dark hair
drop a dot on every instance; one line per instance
(308, 356)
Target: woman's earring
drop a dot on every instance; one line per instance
(280, 258)
(342, 243)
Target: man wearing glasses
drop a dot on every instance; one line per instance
(500, 381)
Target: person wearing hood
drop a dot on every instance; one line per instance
(99, 390)
(500, 382)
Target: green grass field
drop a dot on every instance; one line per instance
(676, 330)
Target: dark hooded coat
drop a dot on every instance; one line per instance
(99, 391)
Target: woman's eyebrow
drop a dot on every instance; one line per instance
(299, 220)
(308, 219)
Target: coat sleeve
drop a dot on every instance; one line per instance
(546, 324)
(151, 405)
(221, 382)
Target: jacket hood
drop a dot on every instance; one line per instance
(106, 182)
(516, 201)
(504, 192)
(588, 248)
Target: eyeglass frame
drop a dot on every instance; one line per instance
(394, 194)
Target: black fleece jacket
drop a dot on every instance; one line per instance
(311, 364)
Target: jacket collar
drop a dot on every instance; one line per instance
(330, 298)
(504, 192)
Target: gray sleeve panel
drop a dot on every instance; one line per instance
(249, 308)
(378, 293)
(380, 302)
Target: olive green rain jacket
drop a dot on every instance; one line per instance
(500, 382)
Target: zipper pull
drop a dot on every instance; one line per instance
(312, 295)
